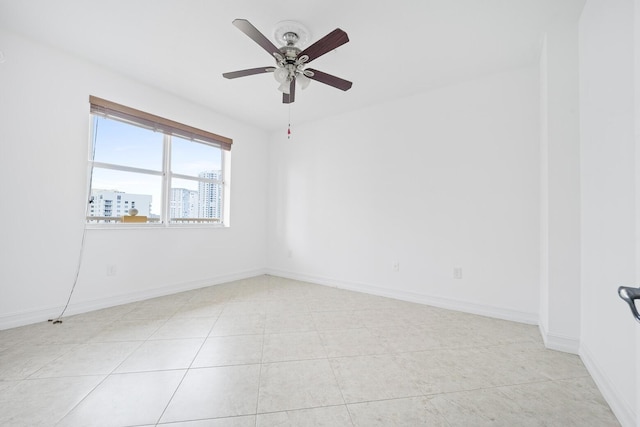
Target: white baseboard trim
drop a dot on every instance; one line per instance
(559, 342)
(621, 407)
(450, 304)
(13, 320)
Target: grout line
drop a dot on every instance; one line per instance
(260, 372)
(102, 381)
(186, 371)
(302, 409)
(335, 378)
(83, 399)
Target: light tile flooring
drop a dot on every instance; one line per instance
(269, 351)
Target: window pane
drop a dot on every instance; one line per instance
(192, 158)
(116, 192)
(124, 144)
(195, 201)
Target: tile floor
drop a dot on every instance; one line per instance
(269, 351)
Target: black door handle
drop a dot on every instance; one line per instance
(630, 295)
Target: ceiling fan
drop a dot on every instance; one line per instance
(291, 60)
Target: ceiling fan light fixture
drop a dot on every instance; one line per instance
(303, 81)
(281, 75)
(285, 87)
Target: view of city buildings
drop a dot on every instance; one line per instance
(117, 203)
(210, 195)
(184, 203)
(205, 202)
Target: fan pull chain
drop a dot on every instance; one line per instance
(289, 128)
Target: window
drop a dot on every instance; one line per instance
(159, 171)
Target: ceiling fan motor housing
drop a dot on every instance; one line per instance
(290, 53)
(289, 59)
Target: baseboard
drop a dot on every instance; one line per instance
(559, 342)
(622, 409)
(13, 320)
(450, 304)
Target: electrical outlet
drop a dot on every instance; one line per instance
(457, 272)
(111, 270)
(396, 266)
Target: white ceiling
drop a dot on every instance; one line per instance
(397, 47)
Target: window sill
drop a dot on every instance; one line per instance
(147, 226)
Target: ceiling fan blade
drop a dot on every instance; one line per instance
(291, 97)
(330, 80)
(255, 35)
(248, 72)
(334, 39)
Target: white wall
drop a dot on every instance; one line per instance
(608, 200)
(437, 180)
(44, 128)
(560, 189)
(636, 51)
(543, 310)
